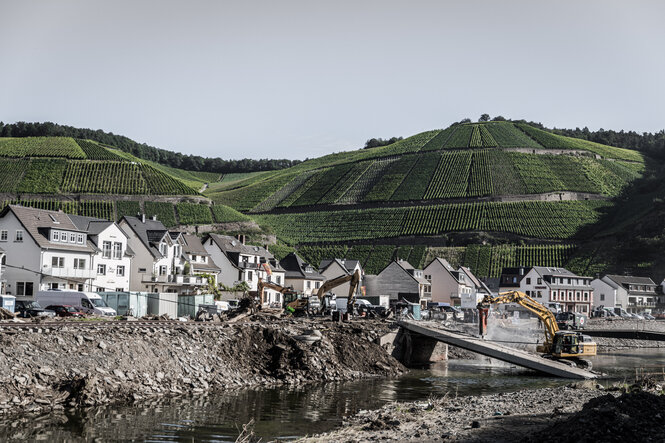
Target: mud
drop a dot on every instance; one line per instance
(581, 412)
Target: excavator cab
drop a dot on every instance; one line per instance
(568, 344)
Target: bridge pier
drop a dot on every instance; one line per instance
(413, 349)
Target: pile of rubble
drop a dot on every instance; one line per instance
(45, 369)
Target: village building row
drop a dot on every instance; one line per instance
(41, 250)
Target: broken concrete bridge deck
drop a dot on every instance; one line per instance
(503, 353)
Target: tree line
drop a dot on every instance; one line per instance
(144, 151)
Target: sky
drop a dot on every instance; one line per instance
(301, 79)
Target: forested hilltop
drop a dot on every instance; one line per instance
(143, 151)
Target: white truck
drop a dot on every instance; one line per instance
(88, 302)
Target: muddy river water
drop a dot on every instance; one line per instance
(287, 413)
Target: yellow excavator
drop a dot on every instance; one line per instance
(569, 345)
(286, 291)
(335, 282)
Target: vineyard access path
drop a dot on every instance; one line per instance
(548, 196)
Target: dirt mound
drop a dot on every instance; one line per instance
(636, 416)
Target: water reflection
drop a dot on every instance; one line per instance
(285, 413)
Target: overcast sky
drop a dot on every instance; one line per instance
(296, 79)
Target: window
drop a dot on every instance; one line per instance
(586, 296)
(58, 262)
(117, 250)
(53, 285)
(24, 288)
(528, 280)
(162, 248)
(100, 289)
(309, 284)
(3, 235)
(602, 297)
(79, 263)
(72, 238)
(250, 275)
(101, 269)
(540, 294)
(55, 236)
(120, 271)
(317, 285)
(19, 235)
(279, 279)
(162, 270)
(79, 239)
(193, 257)
(143, 270)
(119, 289)
(540, 281)
(106, 249)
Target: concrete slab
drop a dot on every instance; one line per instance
(503, 353)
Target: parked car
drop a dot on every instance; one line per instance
(65, 311)
(648, 316)
(88, 302)
(638, 316)
(31, 308)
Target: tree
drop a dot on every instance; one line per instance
(484, 118)
(499, 118)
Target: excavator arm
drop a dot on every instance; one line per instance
(545, 315)
(330, 284)
(275, 287)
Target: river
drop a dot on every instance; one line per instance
(290, 412)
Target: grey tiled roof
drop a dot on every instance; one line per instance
(37, 223)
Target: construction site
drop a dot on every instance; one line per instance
(76, 368)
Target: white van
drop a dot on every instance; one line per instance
(88, 302)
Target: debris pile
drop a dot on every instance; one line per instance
(634, 416)
(45, 369)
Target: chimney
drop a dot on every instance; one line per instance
(241, 238)
(154, 218)
(142, 218)
(521, 270)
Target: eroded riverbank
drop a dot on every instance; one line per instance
(45, 369)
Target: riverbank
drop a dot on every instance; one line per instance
(578, 412)
(46, 369)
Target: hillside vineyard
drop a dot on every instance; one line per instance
(481, 194)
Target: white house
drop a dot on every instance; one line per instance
(199, 260)
(239, 262)
(634, 294)
(158, 263)
(550, 285)
(450, 285)
(46, 250)
(333, 268)
(112, 260)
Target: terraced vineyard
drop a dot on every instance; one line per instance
(464, 161)
(534, 219)
(40, 147)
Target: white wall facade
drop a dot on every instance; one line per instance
(116, 266)
(604, 293)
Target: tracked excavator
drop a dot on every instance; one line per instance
(335, 282)
(568, 346)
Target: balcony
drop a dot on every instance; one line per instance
(82, 274)
(247, 265)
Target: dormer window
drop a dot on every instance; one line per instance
(72, 238)
(79, 239)
(309, 269)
